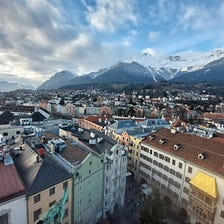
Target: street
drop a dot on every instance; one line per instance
(130, 212)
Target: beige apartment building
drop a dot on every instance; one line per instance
(48, 185)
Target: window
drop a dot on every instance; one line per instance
(66, 213)
(89, 171)
(151, 151)
(65, 184)
(167, 159)
(36, 214)
(79, 189)
(156, 154)
(5, 134)
(51, 204)
(187, 179)
(161, 156)
(166, 168)
(80, 177)
(159, 174)
(171, 181)
(145, 149)
(165, 177)
(201, 196)
(173, 162)
(184, 201)
(36, 198)
(185, 190)
(189, 169)
(18, 132)
(172, 171)
(52, 191)
(177, 185)
(4, 219)
(222, 214)
(179, 175)
(180, 165)
(80, 201)
(79, 215)
(208, 201)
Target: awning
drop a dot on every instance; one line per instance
(205, 183)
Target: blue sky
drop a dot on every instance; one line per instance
(39, 38)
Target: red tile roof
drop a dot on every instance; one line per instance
(214, 115)
(95, 118)
(10, 183)
(191, 147)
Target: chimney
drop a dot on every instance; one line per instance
(6, 152)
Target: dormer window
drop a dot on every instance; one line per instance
(201, 156)
(176, 146)
(151, 137)
(162, 141)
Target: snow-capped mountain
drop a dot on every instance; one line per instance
(169, 66)
(57, 80)
(149, 67)
(213, 71)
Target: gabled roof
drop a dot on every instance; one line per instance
(191, 147)
(38, 176)
(18, 108)
(10, 183)
(6, 117)
(105, 145)
(37, 116)
(73, 154)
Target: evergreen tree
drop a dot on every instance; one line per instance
(153, 211)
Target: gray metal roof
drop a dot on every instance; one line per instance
(123, 124)
(38, 176)
(154, 123)
(100, 147)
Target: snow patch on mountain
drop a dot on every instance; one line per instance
(169, 66)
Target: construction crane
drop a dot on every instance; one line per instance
(55, 214)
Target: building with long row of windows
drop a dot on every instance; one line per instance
(189, 171)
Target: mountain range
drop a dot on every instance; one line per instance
(188, 67)
(9, 86)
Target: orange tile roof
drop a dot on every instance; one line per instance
(10, 184)
(214, 115)
(191, 147)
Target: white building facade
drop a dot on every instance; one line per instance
(14, 211)
(189, 171)
(115, 169)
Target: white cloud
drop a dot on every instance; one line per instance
(35, 42)
(199, 18)
(90, 55)
(40, 37)
(154, 35)
(150, 51)
(109, 15)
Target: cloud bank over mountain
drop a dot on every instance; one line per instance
(39, 38)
